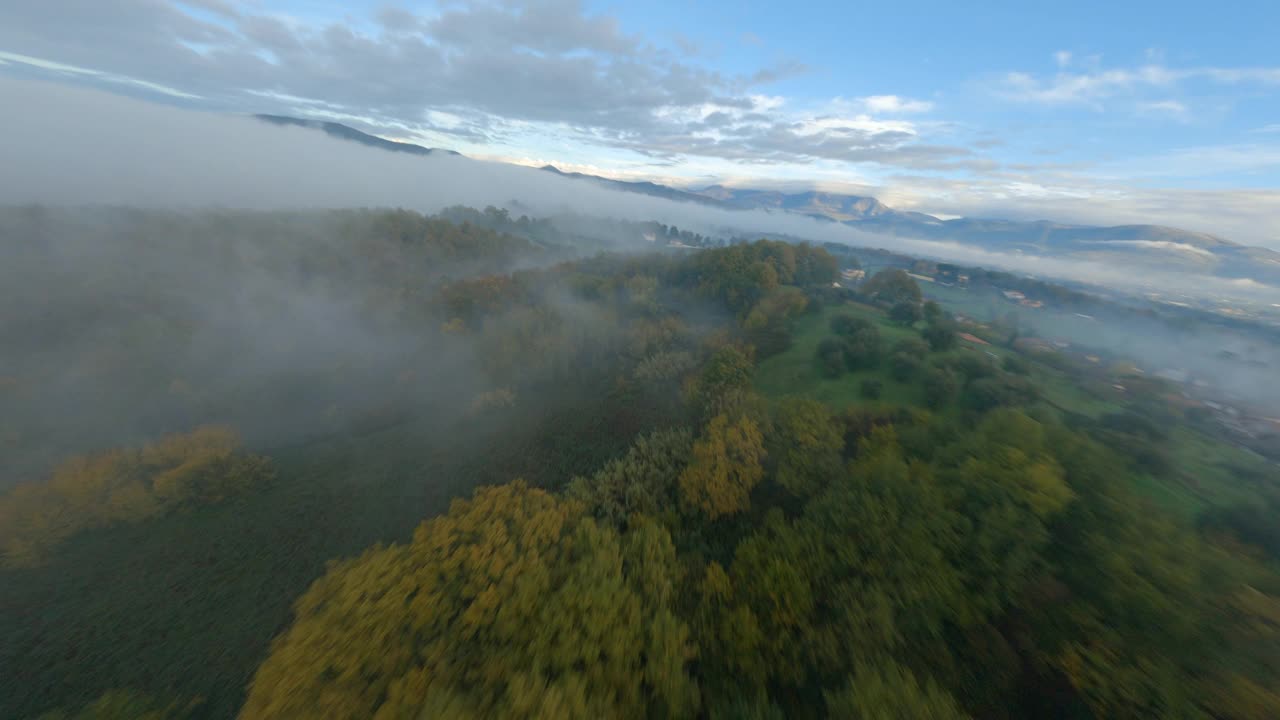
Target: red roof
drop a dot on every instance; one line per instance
(972, 338)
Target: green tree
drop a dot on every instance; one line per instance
(862, 343)
(768, 325)
(905, 313)
(804, 446)
(830, 356)
(907, 358)
(903, 367)
(863, 571)
(643, 482)
(940, 336)
(890, 692)
(892, 285)
(932, 312)
(1016, 365)
(940, 387)
(844, 324)
(727, 464)
(724, 382)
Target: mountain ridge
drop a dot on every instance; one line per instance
(346, 132)
(1143, 246)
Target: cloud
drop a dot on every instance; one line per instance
(1159, 245)
(1063, 58)
(1168, 108)
(64, 145)
(1241, 215)
(1093, 88)
(779, 71)
(544, 60)
(686, 44)
(1067, 88)
(500, 70)
(7, 58)
(893, 104)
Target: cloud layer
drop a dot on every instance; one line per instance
(538, 81)
(476, 71)
(77, 146)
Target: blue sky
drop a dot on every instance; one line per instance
(1108, 112)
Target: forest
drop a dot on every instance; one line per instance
(375, 464)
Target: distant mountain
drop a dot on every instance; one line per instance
(1138, 247)
(643, 188)
(1153, 247)
(344, 132)
(842, 208)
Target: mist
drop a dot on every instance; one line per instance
(249, 330)
(65, 145)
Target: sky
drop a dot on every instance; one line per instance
(1100, 113)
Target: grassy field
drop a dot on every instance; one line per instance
(795, 371)
(1211, 473)
(1207, 472)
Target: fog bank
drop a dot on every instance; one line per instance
(67, 145)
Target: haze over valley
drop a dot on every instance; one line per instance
(552, 359)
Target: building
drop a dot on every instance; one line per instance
(853, 274)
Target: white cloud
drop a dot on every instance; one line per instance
(895, 104)
(76, 146)
(478, 76)
(1172, 108)
(1067, 88)
(1092, 88)
(766, 103)
(1241, 215)
(855, 124)
(65, 69)
(1159, 245)
(1062, 57)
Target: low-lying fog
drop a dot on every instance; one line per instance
(66, 146)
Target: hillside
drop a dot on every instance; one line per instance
(834, 206)
(642, 188)
(345, 132)
(700, 484)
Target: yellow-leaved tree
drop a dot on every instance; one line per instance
(123, 486)
(514, 604)
(727, 463)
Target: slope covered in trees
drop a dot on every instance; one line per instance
(604, 508)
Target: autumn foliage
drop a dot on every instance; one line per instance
(124, 486)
